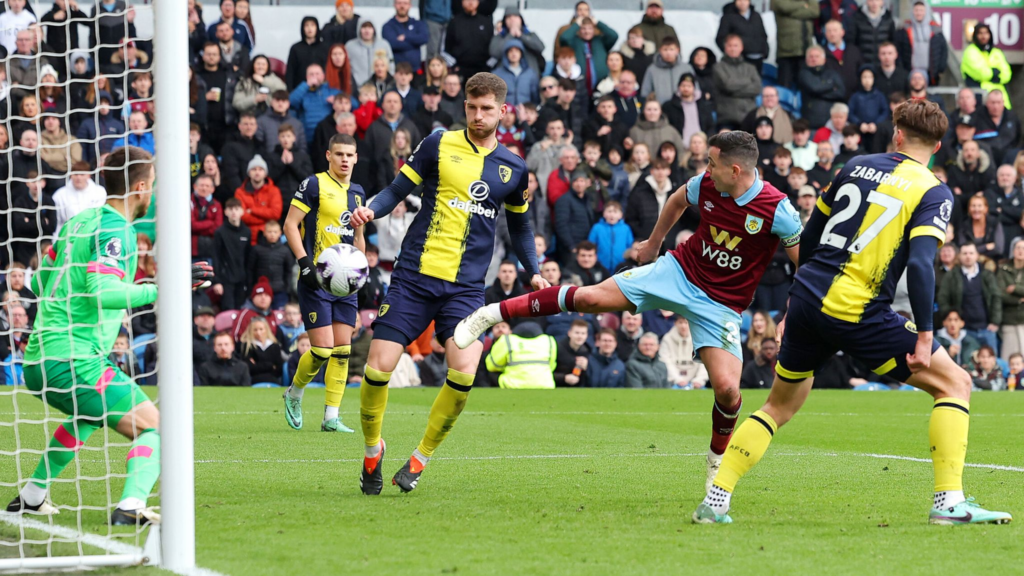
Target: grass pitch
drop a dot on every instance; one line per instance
(576, 482)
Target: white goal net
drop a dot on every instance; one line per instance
(78, 81)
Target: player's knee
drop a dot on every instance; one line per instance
(960, 385)
(587, 299)
(727, 391)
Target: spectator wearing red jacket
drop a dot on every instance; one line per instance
(207, 216)
(558, 180)
(260, 198)
(368, 110)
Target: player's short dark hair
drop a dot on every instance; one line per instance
(579, 324)
(605, 331)
(921, 120)
(801, 125)
(341, 139)
(736, 147)
(125, 167)
(850, 130)
(484, 84)
(403, 68)
(232, 203)
(669, 41)
(586, 246)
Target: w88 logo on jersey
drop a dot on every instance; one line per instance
(721, 252)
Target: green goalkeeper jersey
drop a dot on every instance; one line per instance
(84, 285)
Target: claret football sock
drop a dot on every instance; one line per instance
(745, 449)
(723, 422)
(450, 401)
(373, 401)
(947, 434)
(544, 302)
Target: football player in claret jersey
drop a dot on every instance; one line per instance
(467, 177)
(710, 279)
(319, 218)
(881, 214)
(87, 279)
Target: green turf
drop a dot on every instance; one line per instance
(580, 482)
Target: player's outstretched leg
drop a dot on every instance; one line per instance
(748, 445)
(373, 401)
(134, 416)
(950, 385)
(309, 366)
(724, 369)
(335, 380)
(67, 439)
(605, 297)
(450, 401)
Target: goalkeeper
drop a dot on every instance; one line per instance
(85, 285)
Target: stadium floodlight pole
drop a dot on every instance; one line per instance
(177, 477)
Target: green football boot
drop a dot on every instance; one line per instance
(967, 512)
(293, 411)
(704, 514)
(335, 425)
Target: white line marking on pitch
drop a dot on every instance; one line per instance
(578, 456)
(93, 540)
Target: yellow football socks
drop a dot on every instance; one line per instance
(446, 409)
(336, 376)
(746, 448)
(947, 434)
(373, 400)
(309, 366)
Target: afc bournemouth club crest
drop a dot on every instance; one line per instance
(312, 317)
(505, 173)
(753, 224)
(383, 309)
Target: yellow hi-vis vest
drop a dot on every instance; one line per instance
(523, 362)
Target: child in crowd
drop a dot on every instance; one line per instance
(805, 151)
(270, 258)
(289, 331)
(851, 146)
(1016, 371)
(301, 347)
(123, 357)
(611, 236)
(368, 110)
(778, 173)
(231, 251)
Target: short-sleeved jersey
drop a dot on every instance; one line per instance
(70, 323)
(736, 239)
(875, 205)
(328, 205)
(464, 187)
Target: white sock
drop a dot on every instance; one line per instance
(494, 311)
(718, 499)
(33, 494)
(419, 455)
(330, 412)
(948, 498)
(372, 451)
(131, 504)
(712, 457)
(295, 393)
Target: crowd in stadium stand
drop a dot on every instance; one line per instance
(609, 126)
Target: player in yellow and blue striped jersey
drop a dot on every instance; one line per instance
(881, 215)
(467, 178)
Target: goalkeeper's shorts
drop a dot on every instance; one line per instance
(88, 389)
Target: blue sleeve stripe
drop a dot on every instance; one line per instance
(693, 189)
(786, 223)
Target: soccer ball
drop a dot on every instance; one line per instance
(342, 269)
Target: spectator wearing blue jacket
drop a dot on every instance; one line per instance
(137, 134)
(312, 100)
(240, 30)
(405, 35)
(606, 369)
(522, 80)
(868, 106)
(612, 236)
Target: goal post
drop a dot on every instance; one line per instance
(89, 487)
(177, 478)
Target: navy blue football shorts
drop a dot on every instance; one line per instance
(812, 337)
(414, 299)
(321, 308)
